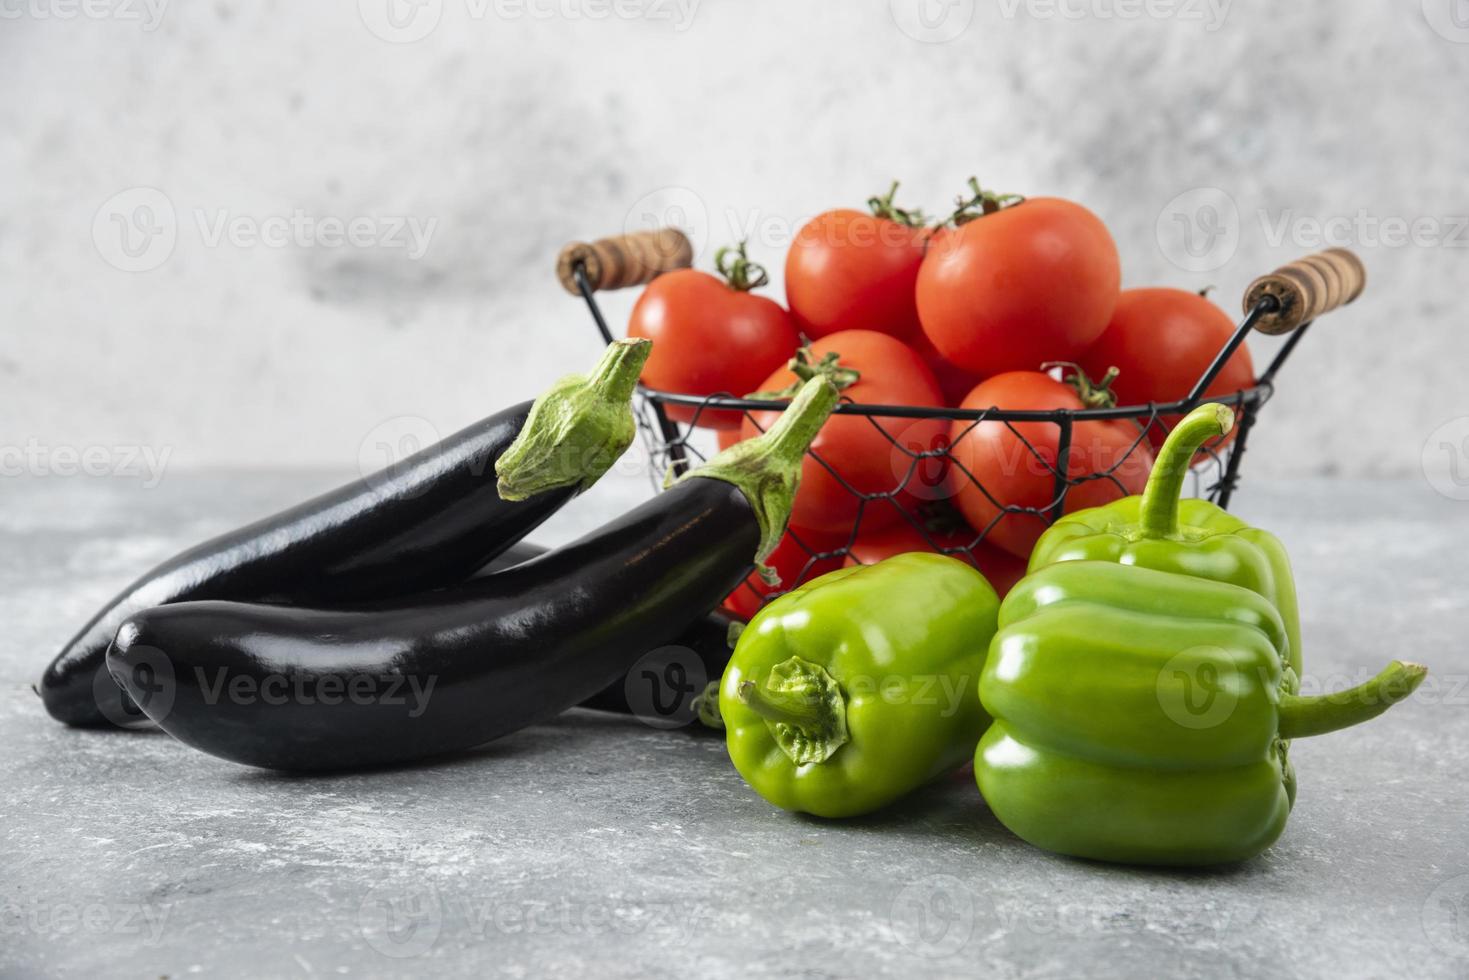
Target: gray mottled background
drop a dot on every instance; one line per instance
(154, 304)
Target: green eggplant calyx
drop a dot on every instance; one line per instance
(1301, 717)
(706, 706)
(767, 469)
(804, 708)
(578, 428)
(1159, 507)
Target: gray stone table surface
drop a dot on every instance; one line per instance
(596, 846)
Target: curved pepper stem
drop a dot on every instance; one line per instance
(767, 469)
(1159, 508)
(1301, 717)
(578, 428)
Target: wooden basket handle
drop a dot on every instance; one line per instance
(625, 260)
(1307, 288)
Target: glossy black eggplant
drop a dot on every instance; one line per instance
(425, 522)
(665, 687)
(306, 689)
(668, 686)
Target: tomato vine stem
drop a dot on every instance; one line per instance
(883, 207)
(738, 269)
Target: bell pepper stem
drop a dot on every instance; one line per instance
(782, 707)
(578, 428)
(767, 469)
(804, 708)
(1301, 717)
(1159, 507)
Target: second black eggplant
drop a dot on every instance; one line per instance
(310, 689)
(427, 522)
(669, 686)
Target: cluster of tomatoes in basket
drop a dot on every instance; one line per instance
(975, 311)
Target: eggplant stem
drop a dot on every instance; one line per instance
(578, 428)
(767, 469)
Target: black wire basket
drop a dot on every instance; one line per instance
(1286, 301)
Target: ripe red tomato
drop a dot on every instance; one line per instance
(1001, 568)
(847, 270)
(954, 382)
(994, 455)
(1161, 340)
(728, 437)
(860, 450)
(794, 561)
(1030, 283)
(709, 337)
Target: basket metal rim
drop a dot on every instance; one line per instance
(1251, 397)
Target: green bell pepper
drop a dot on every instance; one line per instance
(1144, 702)
(855, 689)
(1191, 537)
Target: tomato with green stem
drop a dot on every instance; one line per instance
(1162, 341)
(712, 334)
(1003, 474)
(1011, 285)
(858, 455)
(855, 270)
